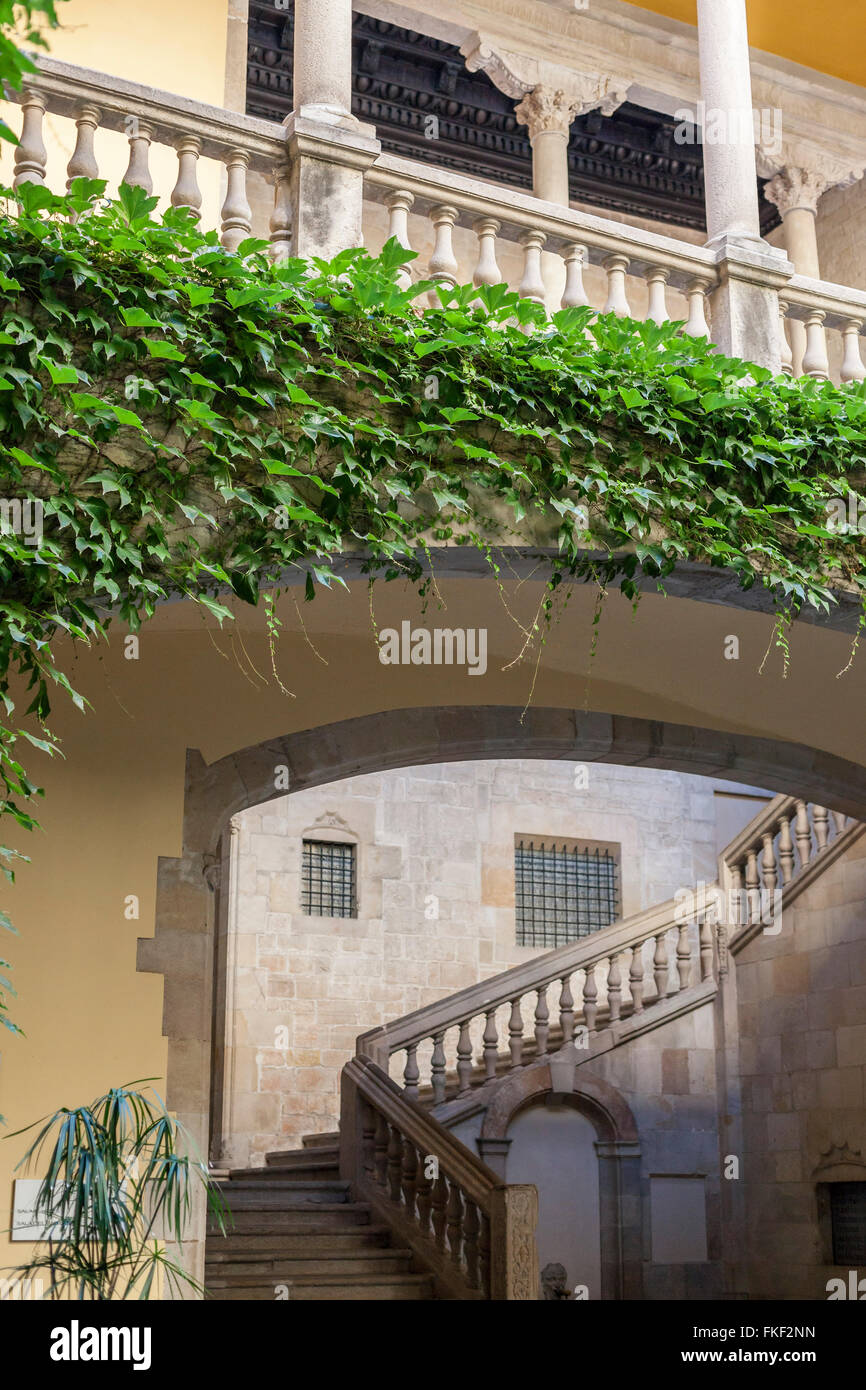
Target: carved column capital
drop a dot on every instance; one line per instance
(804, 177)
(546, 108)
(558, 93)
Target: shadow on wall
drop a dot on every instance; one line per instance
(554, 1148)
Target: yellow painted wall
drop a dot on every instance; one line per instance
(175, 47)
(825, 36)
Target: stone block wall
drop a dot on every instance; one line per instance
(802, 1013)
(436, 910)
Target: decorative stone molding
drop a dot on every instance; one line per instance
(839, 1156)
(559, 89)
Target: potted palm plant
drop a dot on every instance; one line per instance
(115, 1198)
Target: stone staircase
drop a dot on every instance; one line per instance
(393, 1231)
(298, 1235)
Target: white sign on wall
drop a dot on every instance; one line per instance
(25, 1225)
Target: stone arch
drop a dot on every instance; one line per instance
(618, 1149)
(191, 908)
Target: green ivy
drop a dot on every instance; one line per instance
(195, 422)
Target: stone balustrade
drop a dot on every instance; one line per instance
(821, 306)
(773, 854)
(458, 1216)
(499, 216)
(505, 223)
(195, 131)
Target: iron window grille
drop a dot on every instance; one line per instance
(328, 879)
(848, 1221)
(563, 892)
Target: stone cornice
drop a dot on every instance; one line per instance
(659, 57)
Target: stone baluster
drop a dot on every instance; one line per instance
(769, 875)
(852, 362)
(471, 1232)
(657, 278)
(617, 300)
(82, 163)
(409, 1176)
(437, 1068)
(803, 834)
(423, 1196)
(281, 217)
(815, 360)
(440, 1207)
(736, 906)
(411, 1074)
(696, 325)
(455, 1224)
(236, 214)
(380, 1150)
(31, 156)
(840, 820)
(574, 295)
(532, 283)
(590, 997)
(753, 886)
(660, 965)
(138, 169)
(614, 988)
(368, 1140)
(491, 1044)
(399, 203)
(684, 955)
(484, 1254)
(515, 1033)
(464, 1056)
(486, 271)
(706, 949)
(635, 978)
(542, 1022)
(821, 822)
(395, 1163)
(784, 346)
(786, 850)
(443, 266)
(186, 192)
(566, 1009)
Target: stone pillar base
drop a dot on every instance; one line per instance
(327, 163)
(745, 305)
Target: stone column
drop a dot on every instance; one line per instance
(745, 306)
(548, 113)
(795, 193)
(730, 172)
(329, 149)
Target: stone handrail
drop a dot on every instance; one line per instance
(474, 1233)
(821, 305)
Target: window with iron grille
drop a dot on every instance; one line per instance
(328, 879)
(564, 890)
(848, 1221)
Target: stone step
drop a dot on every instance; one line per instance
(276, 1193)
(253, 1269)
(302, 1163)
(297, 1216)
(318, 1287)
(317, 1141)
(276, 1244)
